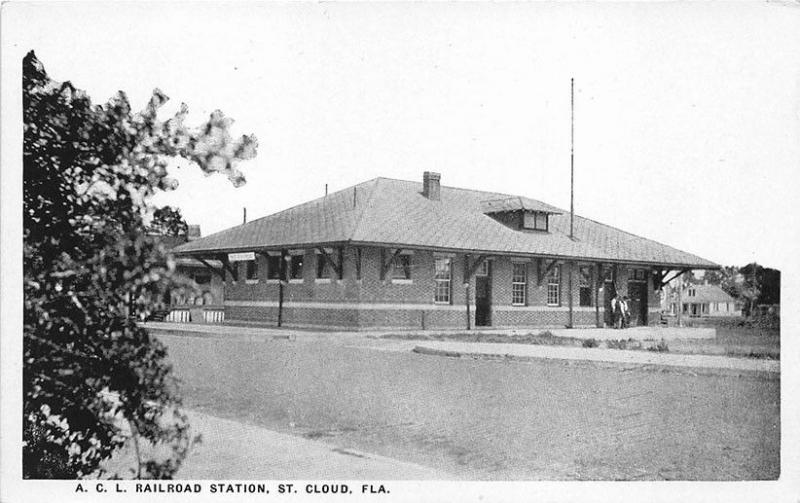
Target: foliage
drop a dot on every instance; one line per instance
(660, 347)
(763, 287)
(766, 282)
(728, 279)
(617, 344)
(168, 221)
(90, 373)
(688, 278)
(590, 343)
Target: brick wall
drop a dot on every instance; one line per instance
(374, 302)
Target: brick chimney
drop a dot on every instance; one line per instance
(430, 185)
(193, 232)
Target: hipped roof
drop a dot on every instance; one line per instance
(388, 212)
(705, 293)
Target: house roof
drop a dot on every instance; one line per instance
(394, 213)
(706, 293)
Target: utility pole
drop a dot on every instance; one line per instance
(571, 158)
(571, 189)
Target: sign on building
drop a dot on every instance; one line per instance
(241, 257)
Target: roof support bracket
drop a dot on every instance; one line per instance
(214, 270)
(387, 263)
(336, 267)
(658, 278)
(471, 269)
(226, 264)
(679, 273)
(543, 269)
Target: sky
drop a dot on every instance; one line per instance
(687, 122)
(687, 116)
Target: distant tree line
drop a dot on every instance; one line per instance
(753, 284)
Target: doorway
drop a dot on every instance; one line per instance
(483, 296)
(609, 292)
(637, 303)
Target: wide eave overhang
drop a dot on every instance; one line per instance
(216, 252)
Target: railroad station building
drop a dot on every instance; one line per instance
(391, 253)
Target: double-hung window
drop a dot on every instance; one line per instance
(442, 277)
(296, 267)
(519, 283)
(251, 271)
(323, 267)
(585, 285)
(273, 267)
(553, 286)
(401, 269)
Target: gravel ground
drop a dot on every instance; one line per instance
(491, 420)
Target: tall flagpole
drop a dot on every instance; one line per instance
(571, 157)
(571, 188)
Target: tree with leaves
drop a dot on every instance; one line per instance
(728, 279)
(765, 281)
(94, 379)
(168, 221)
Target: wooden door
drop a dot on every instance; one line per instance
(637, 303)
(483, 301)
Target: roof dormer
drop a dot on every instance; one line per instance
(520, 213)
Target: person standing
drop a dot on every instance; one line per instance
(626, 312)
(617, 309)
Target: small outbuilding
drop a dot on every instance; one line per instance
(400, 254)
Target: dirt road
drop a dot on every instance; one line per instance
(491, 420)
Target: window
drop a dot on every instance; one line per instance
(553, 290)
(251, 270)
(296, 267)
(358, 263)
(401, 269)
(534, 220)
(584, 285)
(639, 274)
(519, 283)
(274, 267)
(541, 221)
(323, 267)
(608, 275)
(442, 278)
(483, 269)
